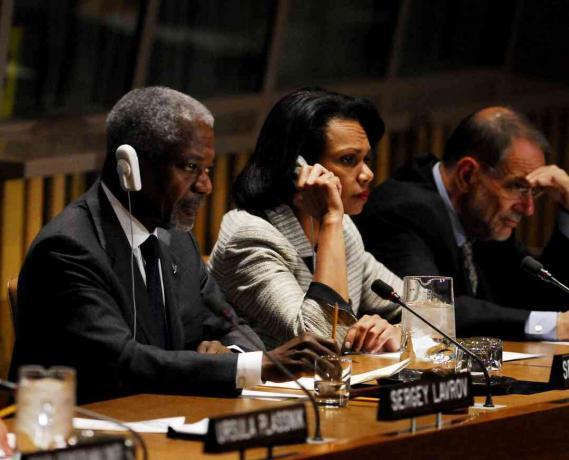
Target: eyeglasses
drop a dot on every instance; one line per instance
(519, 190)
(513, 188)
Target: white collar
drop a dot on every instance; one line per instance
(457, 228)
(139, 232)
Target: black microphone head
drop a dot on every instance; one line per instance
(382, 289)
(530, 265)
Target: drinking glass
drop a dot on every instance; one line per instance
(332, 376)
(488, 349)
(45, 402)
(432, 297)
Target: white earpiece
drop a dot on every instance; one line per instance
(127, 168)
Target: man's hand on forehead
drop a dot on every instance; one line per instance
(554, 180)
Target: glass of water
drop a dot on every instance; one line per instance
(488, 349)
(332, 374)
(45, 402)
(433, 298)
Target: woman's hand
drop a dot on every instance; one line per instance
(4, 446)
(319, 193)
(372, 334)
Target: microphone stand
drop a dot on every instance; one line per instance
(387, 292)
(11, 387)
(227, 314)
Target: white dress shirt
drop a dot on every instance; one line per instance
(248, 364)
(540, 325)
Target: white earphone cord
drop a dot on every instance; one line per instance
(132, 266)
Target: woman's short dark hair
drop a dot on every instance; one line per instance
(295, 126)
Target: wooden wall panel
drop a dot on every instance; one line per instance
(12, 237)
(220, 196)
(34, 208)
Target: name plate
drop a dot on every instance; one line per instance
(108, 448)
(425, 397)
(282, 425)
(559, 376)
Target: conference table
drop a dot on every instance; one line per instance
(524, 426)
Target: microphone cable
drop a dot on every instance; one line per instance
(132, 265)
(226, 314)
(136, 436)
(11, 387)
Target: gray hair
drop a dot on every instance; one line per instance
(156, 121)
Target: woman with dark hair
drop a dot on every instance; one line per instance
(289, 258)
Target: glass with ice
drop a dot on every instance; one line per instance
(432, 297)
(332, 376)
(45, 402)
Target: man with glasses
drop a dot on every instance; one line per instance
(115, 285)
(456, 217)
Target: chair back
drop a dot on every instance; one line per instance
(13, 298)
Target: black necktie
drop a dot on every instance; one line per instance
(151, 257)
(469, 266)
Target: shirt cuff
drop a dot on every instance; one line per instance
(563, 222)
(249, 369)
(542, 325)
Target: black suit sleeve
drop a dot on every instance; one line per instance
(82, 318)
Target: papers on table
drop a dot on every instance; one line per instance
(513, 356)
(308, 382)
(197, 428)
(380, 373)
(157, 425)
(271, 395)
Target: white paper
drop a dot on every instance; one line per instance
(480, 406)
(375, 374)
(271, 394)
(513, 356)
(158, 425)
(380, 373)
(199, 428)
(306, 382)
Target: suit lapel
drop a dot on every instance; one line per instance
(114, 242)
(423, 169)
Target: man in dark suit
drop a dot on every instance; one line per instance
(456, 218)
(141, 323)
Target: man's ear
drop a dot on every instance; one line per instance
(466, 170)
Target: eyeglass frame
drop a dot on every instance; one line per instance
(513, 191)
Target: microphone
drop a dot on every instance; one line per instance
(535, 268)
(223, 310)
(385, 291)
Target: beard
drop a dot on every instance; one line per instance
(480, 221)
(184, 213)
(473, 217)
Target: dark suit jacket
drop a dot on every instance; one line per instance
(75, 308)
(406, 226)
